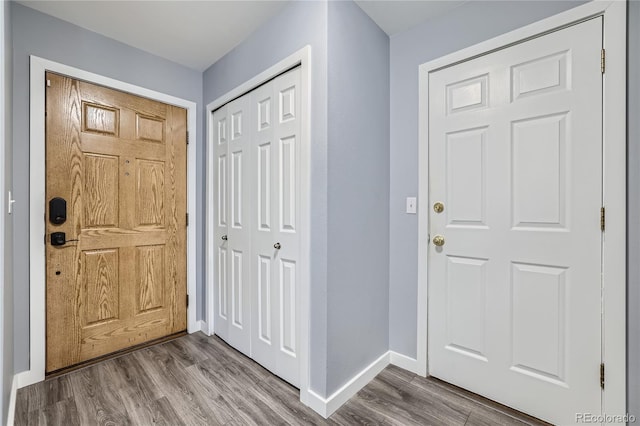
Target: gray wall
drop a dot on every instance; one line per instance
(35, 33)
(633, 218)
(465, 26)
(6, 355)
(358, 193)
(297, 25)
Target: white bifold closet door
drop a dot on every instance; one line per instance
(256, 189)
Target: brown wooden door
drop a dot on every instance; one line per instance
(119, 161)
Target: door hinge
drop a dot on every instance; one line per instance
(187, 138)
(602, 375)
(48, 83)
(602, 218)
(187, 219)
(187, 300)
(602, 61)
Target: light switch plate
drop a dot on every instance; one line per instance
(412, 205)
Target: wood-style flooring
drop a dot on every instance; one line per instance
(200, 380)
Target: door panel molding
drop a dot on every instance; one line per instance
(300, 58)
(614, 183)
(37, 305)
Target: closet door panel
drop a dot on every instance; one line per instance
(239, 227)
(221, 256)
(265, 335)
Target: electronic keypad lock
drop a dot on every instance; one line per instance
(57, 211)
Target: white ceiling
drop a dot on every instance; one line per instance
(192, 33)
(198, 33)
(395, 16)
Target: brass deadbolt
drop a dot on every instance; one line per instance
(438, 207)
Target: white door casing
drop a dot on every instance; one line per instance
(256, 236)
(515, 155)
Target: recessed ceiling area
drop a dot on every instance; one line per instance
(198, 33)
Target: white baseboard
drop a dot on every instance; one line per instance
(327, 406)
(11, 412)
(200, 326)
(28, 377)
(407, 363)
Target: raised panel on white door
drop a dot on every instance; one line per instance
(288, 306)
(236, 125)
(264, 298)
(264, 187)
(288, 104)
(466, 177)
(466, 304)
(222, 190)
(222, 131)
(237, 189)
(470, 94)
(264, 113)
(541, 75)
(237, 289)
(287, 184)
(539, 309)
(222, 282)
(538, 171)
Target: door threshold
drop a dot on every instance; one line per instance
(113, 355)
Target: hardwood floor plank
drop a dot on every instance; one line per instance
(128, 375)
(60, 413)
(97, 403)
(184, 397)
(239, 391)
(286, 400)
(200, 380)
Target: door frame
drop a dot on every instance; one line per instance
(300, 58)
(614, 182)
(37, 200)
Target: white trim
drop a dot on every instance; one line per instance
(12, 401)
(303, 58)
(39, 66)
(327, 406)
(3, 143)
(200, 326)
(614, 246)
(404, 362)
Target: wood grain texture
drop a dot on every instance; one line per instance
(149, 128)
(100, 272)
(121, 278)
(200, 380)
(150, 194)
(150, 277)
(100, 119)
(101, 173)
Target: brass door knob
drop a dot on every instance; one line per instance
(277, 246)
(224, 238)
(438, 240)
(438, 207)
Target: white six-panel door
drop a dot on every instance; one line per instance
(256, 189)
(515, 157)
